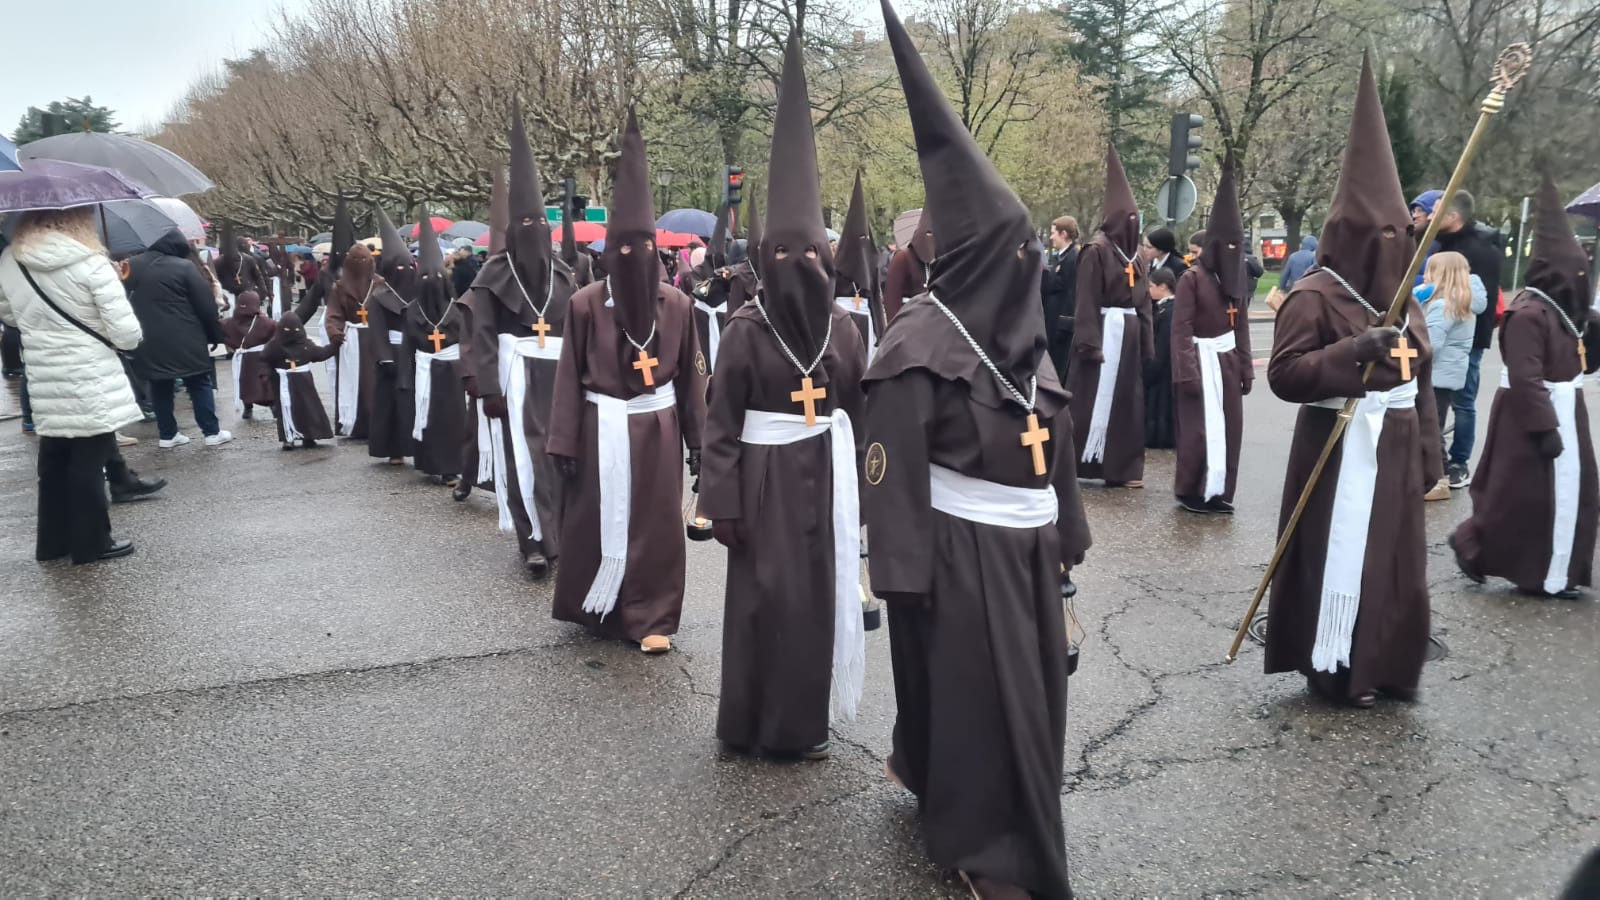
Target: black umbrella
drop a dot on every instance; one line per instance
(126, 227)
(149, 164)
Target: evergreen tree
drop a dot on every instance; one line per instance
(63, 116)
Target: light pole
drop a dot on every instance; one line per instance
(664, 181)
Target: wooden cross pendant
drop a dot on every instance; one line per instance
(541, 328)
(1404, 352)
(858, 301)
(644, 364)
(1231, 313)
(808, 396)
(438, 340)
(1129, 270)
(292, 365)
(362, 314)
(1583, 357)
(1034, 439)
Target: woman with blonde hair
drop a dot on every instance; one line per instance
(1452, 297)
(61, 290)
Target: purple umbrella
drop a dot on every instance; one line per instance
(1587, 204)
(53, 184)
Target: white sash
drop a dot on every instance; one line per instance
(713, 329)
(514, 387)
(615, 461)
(1094, 449)
(1567, 470)
(347, 397)
(1351, 519)
(278, 303)
(423, 392)
(238, 370)
(849, 636)
(291, 434)
(848, 304)
(989, 502)
(1210, 351)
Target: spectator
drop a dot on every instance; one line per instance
(74, 323)
(1059, 290)
(1197, 245)
(1161, 248)
(464, 272)
(1451, 296)
(1299, 263)
(886, 256)
(1160, 431)
(175, 308)
(1459, 233)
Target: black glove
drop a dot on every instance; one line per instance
(1548, 443)
(566, 465)
(494, 406)
(1375, 343)
(470, 384)
(726, 531)
(1247, 383)
(694, 463)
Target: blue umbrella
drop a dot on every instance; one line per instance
(301, 249)
(597, 246)
(8, 156)
(688, 221)
(1587, 204)
(53, 184)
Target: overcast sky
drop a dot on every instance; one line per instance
(137, 58)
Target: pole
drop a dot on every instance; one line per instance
(1516, 256)
(1509, 68)
(1173, 185)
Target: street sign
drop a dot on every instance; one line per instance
(1179, 208)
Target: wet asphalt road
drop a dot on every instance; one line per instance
(319, 675)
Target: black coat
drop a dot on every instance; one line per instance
(1483, 260)
(1059, 292)
(176, 311)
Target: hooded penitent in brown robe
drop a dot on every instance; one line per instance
(238, 270)
(856, 288)
(1354, 618)
(290, 355)
(909, 269)
(630, 346)
(1111, 446)
(971, 523)
(389, 436)
(710, 284)
(350, 306)
(1209, 378)
(246, 332)
(317, 293)
(514, 322)
(1535, 500)
(768, 484)
(431, 327)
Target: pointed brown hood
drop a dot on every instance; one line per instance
(569, 228)
(1119, 217)
(632, 267)
(433, 286)
(528, 230)
(717, 250)
(753, 226)
(344, 235)
(988, 260)
(1559, 267)
(499, 216)
(796, 264)
(1367, 235)
(857, 259)
(1223, 253)
(227, 244)
(395, 262)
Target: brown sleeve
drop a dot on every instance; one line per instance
(1522, 344)
(1303, 368)
(1086, 333)
(690, 384)
(1241, 342)
(1428, 426)
(334, 321)
(566, 408)
(727, 399)
(320, 352)
(480, 345)
(899, 511)
(1072, 523)
(894, 286)
(316, 292)
(1185, 359)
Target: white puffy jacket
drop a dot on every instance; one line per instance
(76, 384)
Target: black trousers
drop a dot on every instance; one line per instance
(74, 511)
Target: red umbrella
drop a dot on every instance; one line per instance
(672, 240)
(440, 224)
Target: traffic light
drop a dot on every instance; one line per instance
(732, 188)
(1185, 143)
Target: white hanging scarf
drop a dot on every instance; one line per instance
(347, 375)
(1210, 351)
(615, 463)
(1566, 472)
(713, 329)
(279, 303)
(1351, 519)
(423, 392)
(1115, 320)
(514, 387)
(849, 636)
(291, 434)
(858, 306)
(238, 366)
(989, 502)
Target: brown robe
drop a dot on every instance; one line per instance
(1313, 358)
(255, 377)
(1513, 495)
(344, 309)
(597, 357)
(496, 306)
(310, 416)
(980, 664)
(1102, 284)
(440, 450)
(907, 277)
(391, 409)
(1200, 310)
(777, 627)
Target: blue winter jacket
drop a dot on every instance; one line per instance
(1452, 341)
(1299, 263)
